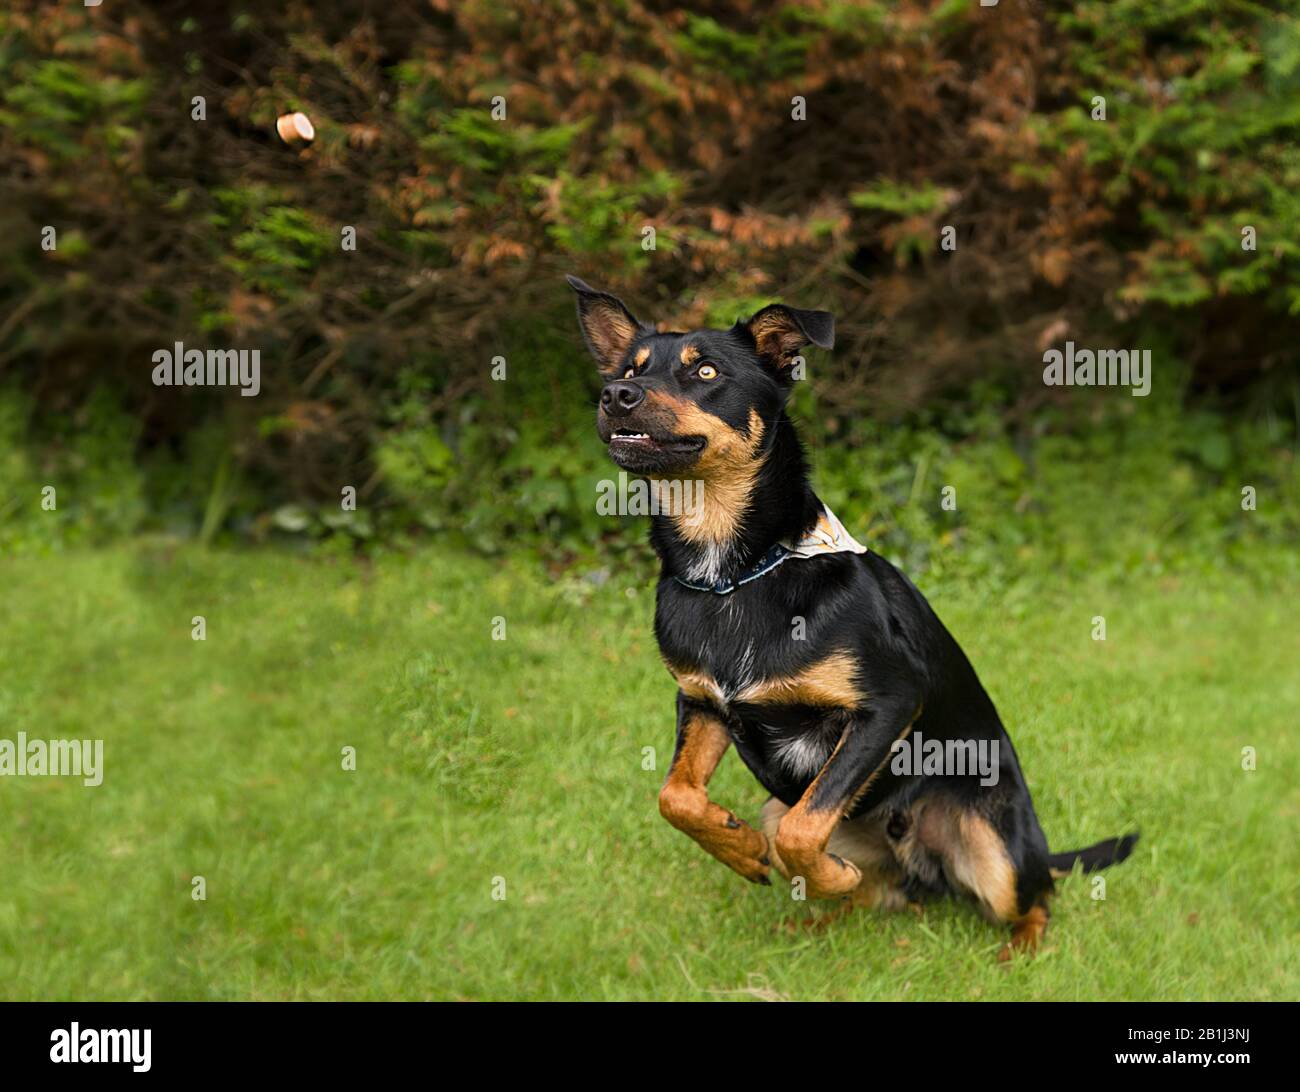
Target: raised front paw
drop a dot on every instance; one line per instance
(740, 847)
(749, 858)
(732, 841)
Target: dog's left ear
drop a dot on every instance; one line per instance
(607, 326)
(779, 332)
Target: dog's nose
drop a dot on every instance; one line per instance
(619, 399)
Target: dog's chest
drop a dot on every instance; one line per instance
(781, 689)
(745, 657)
(719, 649)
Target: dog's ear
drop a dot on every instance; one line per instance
(779, 332)
(607, 326)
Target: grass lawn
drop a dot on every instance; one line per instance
(522, 759)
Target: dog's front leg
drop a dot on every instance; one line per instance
(860, 755)
(702, 740)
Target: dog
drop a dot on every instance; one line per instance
(816, 658)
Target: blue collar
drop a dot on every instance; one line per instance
(764, 565)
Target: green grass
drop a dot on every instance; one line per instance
(523, 759)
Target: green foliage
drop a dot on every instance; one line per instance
(1128, 488)
(376, 361)
(50, 103)
(278, 242)
(588, 215)
(471, 138)
(1200, 143)
(89, 461)
(776, 49)
(888, 196)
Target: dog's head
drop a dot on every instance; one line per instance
(695, 403)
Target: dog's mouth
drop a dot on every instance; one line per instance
(629, 440)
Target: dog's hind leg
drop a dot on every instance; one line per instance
(702, 740)
(1008, 876)
(861, 842)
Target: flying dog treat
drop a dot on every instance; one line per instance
(295, 128)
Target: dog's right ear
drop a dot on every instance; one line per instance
(607, 326)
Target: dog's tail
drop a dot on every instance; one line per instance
(1102, 855)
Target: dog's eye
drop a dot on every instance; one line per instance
(707, 371)
(629, 373)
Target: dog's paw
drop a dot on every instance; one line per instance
(829, 876)
(755, 871)
(752, 859)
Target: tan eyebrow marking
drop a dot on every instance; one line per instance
(642, 355)
(690, 355)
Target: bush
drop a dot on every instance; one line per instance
(377, 361)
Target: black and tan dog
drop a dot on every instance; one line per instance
(809, 653)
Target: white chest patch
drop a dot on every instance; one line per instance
(804, 754)
(707, 568)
